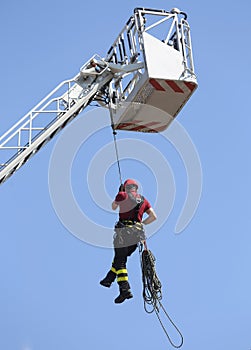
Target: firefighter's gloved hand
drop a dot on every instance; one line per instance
(121, 188)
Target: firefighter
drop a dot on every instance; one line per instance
(129, 231)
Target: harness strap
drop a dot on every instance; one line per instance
(129, 223)
(138, 201)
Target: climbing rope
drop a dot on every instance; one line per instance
(117, 154)
(152, 293)
(116, 148)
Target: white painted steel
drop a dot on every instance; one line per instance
(138, 68)
(53, 113)
(167, 62)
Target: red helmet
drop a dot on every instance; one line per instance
(130, 183)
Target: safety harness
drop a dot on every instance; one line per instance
(130, 231)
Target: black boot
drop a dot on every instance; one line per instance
(109, 278)
(124, 294)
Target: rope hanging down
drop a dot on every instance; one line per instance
(116, 148)
(152, 292)
(117, 154)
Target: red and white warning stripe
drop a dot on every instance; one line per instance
(175, 93)
(180, 86)
(142, 126)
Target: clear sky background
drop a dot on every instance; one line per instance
(50, 297)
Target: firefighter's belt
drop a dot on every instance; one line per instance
(128, 232)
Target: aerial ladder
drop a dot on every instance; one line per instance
(149, 64)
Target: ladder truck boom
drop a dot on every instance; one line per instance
(140, 68)
(48, 117)
(59, 107)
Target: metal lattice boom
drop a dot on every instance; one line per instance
(150, 63)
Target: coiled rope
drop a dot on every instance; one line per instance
(152, 293)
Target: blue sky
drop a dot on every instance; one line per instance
(50, 294)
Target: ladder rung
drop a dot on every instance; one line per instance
(32, 129)
(13, 147)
